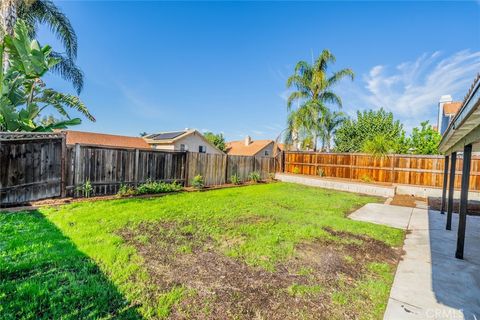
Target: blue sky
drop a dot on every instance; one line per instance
(222, 66)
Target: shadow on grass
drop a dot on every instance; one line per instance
(44, 275)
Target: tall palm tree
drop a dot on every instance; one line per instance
(313, 89)
(35, 12)
(331, 121)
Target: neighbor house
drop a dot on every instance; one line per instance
(186, 140)
(447, 109)
(249, 147)
(105, 140)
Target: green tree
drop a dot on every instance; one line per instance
(331, 121)
(23, 94)
(216, 139)
(313, 92)
(369, 125)
(425, 139)
(35, 13)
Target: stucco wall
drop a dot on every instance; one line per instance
(192, 143)
(268, 148)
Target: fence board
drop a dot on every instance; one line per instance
(399, 169)
(30, 167)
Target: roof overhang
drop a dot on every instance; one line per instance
(465, 127)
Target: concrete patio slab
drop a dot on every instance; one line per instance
(430, 283)
(393, 216)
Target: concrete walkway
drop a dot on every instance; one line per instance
(430, 283)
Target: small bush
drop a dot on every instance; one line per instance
(197, 182)
(320, 172)
(296, 170)
(235, 179)
(271, 176)
(86, 189)
(366, 178)
(254, 176)
(151, 187)
(125, 191)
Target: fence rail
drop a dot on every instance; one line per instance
(393, 169)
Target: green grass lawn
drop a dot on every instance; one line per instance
(180, 255)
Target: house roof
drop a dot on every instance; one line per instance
(451, 108)
(168, 137)
(101, 139)
(172, 137)
(238, 148)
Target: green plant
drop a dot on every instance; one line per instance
(366, 178)
(218, 140)
(353, 133)
(312, 86)
(86, 189)
(198, 182)
(296, 170)
(125, 191)
(235, 179)
(45, 12)
(152, 187)
(320, 172)
(271, 176)
(254, 176)
(24, 95)
(425, 139)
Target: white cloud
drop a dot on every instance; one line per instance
(412, 89)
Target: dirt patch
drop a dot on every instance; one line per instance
(473, 206)
(406, 200)
(222, 287)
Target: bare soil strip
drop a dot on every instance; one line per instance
(221, 287)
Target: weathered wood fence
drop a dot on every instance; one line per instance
(39, 166)
(398, 169)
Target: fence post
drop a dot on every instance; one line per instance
(351, 166)
(137, 158)
(393, 169)
(63, 168)
(187, 168)
(77, 168)
(226, 169)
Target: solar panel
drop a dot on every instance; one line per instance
(166, 135)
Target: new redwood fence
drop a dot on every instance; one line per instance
(39, 166)
(398, 169)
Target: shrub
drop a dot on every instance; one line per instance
(271, 176)
(366, 178)
(158, 187)
(125, 191)
(235, 179)
(296, 170)
(197, 182)
(254, 176)
(320, 172)
(86, 189)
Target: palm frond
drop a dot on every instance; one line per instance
(295, 96)
(330, 97)
(60, 100)
(339, 75)
(46, 12)
(69, 71)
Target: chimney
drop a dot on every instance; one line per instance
(440, 125)
(248, 140)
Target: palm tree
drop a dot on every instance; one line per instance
(35, 12)
(313, 89)
(331, 121)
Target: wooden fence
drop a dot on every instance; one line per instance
(217, 169)
(108, 168)
(39, 166)
(30, 167)
(394, 169)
